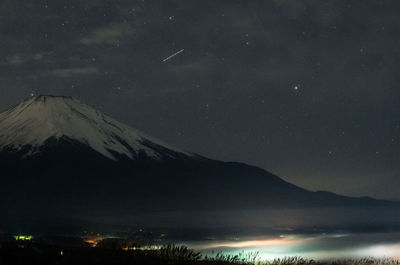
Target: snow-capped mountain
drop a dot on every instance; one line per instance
(27, 126)
(60, 156)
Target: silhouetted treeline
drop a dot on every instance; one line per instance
(15, 253)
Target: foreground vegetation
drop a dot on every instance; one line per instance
(32, 254)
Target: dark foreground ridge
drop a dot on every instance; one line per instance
(111, 254)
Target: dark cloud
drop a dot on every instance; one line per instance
(69, 72)
(110, 34)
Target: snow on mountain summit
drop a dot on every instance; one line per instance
(37, 119)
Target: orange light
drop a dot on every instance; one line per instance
(93, 240)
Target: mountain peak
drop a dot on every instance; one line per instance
(45, 98)
(46, 101)
(38, 119)
(38, 97)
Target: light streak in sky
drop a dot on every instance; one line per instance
(173, 55)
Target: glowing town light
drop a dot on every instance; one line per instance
(23, 238)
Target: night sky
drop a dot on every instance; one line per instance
(307, 89)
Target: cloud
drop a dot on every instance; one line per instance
(200, 68)
(18, 59)
(107, 35)
(68, 72)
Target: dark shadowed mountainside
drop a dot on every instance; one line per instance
(60, 157)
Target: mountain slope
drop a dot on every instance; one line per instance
(60, 156)
(38, 119)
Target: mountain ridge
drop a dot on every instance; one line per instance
(66, 173)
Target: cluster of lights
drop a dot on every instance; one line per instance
(23, 238)
(93, 240)
(152, 247)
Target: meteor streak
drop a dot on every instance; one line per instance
(173, 55)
